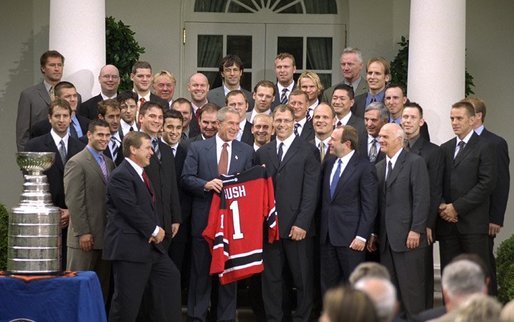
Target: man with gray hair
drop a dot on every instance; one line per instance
(375, 116)
(460, 280)
(383, 294)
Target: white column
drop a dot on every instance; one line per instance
(436, 78)
(77, 30)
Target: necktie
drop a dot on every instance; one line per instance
(114, 148)
(373, 99)
(339, 123)
(131, 128)
(296, 126)
(280, 151)
(73, 130)
(103, 167)
(155, 145)
(373, 151)
(148, 185)
(62, 151)
(309, 117)
(174, 151)
(461, 146)
(51, 93)
(389, 170)
(223, 164)
(283, 98)
(322, 150)
(406, 145)
(335, 178)
(141, 101)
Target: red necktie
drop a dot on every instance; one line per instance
(223, 164)
(148, 185)
(141, 101)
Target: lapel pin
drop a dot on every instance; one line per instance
(236, 157)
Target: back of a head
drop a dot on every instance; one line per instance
(383, 294)
(479, 308)
(507, 314)
(345, 304)
(460, 280)
(368, 269)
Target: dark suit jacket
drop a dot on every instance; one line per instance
(85, 191)
(164, 181)
(217, 96)
(185, 198)
(119, 156)
(468, 183)
(55, 174)
(359, 105)
(44, 126)
(89, 108)
(404, 200)
(296, 181)
(194, 127)
(276, 101)
(434, 160)
(307, 131)
(131, 217)
(500, 195)
(201, 166)
(358, 124)
(247, 136)
(352, 210)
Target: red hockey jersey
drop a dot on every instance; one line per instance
(235, 227)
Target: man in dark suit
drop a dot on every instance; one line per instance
(161, 171)
(404, 203)
(85, 180)
(302, 127)
(109, 80)
(263, 95)
(374, 119)
(412, 122)
(35, 100)
(231, 70)
(190, 126)
(342, 101)
(171, 135)
(128, 109)
(469, 179)
(323, 124)
(133, 239)
(142, 77)
(351, 67)
(378, 74)
(109, 111)
(58, 140)
(237, 100)
(285, 67)
(348, 208)
(294, 166)
(79, 124)
(500, 195)
(208, 121)
(206, 159)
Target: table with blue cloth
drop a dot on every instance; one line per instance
(59, 298)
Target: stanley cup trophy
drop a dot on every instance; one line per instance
(34, 241)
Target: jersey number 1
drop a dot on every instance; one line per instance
(234, 207)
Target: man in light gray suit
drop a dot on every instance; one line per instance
(85, 178)
(35, 100)
(404, 203)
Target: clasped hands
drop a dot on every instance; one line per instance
(448, 213)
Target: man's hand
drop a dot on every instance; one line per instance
(494, 229)
(86, 242)
(65, 217)
(174, 229)
(448, 212)
(357, 245)
(413, 240)
(297, 233)
(430, 238)
(215, 184)
(158, 238)
(372, 243)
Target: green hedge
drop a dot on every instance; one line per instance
(4, 224)
(505, 270)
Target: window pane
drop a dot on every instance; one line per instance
(236, 8)
(246, 81)
(210, 5)
(241, 46)
(210, 50)
(319, 53)
(292, 45)
(320, 7)
(213, 77)
(326, 80)
(286, 6)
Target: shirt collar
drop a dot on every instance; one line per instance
(287, 142)
(395, 157)
(479, 129)
(219, 142)
(136, 167)
(466, 138)
(93, 152)
(345, 159)
(57, 139)
(105, 97)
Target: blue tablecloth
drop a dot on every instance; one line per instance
(60, 299)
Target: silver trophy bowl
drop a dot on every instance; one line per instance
(34, 239)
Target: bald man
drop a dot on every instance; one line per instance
(109, 79)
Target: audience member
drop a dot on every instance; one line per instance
(345, 304)
(383, 294)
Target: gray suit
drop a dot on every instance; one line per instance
(32, 108)
(85, 194)
(404, 203)
(217, 96)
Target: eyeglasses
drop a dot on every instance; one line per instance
(113, 77)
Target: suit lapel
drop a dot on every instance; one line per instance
(50, 144)
(211, 154)
(347, 174)
(44, 93)
(397, 168)
(293, 149)
(467, 149)
(234, 159)
(93, 164)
